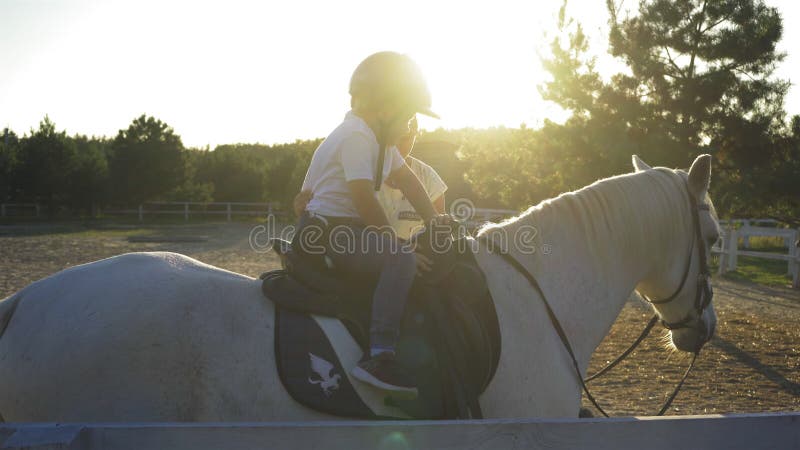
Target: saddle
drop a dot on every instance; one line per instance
(449, 342)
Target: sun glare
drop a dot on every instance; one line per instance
(266, 72)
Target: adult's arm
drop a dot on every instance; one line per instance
(410, 186)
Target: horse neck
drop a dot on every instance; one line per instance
(594, 261)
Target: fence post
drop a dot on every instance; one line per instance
(186, 211)
(141, 212)
(794, 263)
(229, 211)
(733, 244)
(269, 209)
(791, 240)
(723, 247)
(745, 237)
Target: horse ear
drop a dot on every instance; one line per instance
(638, 164)
(700, 175)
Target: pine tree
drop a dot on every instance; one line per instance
(146, 161)
(699, 78)
(701, 74)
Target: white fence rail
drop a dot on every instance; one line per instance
(729, 252)
(746, 431)
(754, 225)
(188, 209)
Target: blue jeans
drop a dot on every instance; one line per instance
(356, 249)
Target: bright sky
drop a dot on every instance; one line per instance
(275, 71)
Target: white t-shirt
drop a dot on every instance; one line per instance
(349, 153)
(399, 211)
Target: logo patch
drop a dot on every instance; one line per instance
(408, 215)
(325, 378)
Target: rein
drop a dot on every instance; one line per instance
(627, 352)
(703, 297)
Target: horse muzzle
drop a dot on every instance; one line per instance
(692, 337)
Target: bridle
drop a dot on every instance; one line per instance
(703, 289)
(703, 295)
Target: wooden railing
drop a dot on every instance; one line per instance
(729, 252)
(189, 209)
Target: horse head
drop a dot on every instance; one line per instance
(687, 312)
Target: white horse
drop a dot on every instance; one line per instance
(163, 337)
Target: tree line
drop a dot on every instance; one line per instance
(145, 162)
(698, 78)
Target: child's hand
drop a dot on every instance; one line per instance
(301, 201)
(442, 220)
(424, 264)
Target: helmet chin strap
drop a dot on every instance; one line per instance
(381, 136)
(382, 144)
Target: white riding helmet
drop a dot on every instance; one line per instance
(391, 76)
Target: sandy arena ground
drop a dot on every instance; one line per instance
(751, 365)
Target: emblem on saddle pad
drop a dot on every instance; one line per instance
(326, 380)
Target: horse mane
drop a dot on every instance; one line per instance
(636, 212)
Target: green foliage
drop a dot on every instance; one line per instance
(703, 72)
(234, 171)
(9, 147)
(509, 167)
(287, 169)
(88, 184)
(497, 167)
(255, 172)
(45, 163)
(441, 149)
(145, 161)
(52, 168)
(575, 83)
(699, 79)
(191, 189)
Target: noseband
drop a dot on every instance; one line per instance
(703, 289)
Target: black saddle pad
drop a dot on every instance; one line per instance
(310, 369)
(449, 363)
(315, 375)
